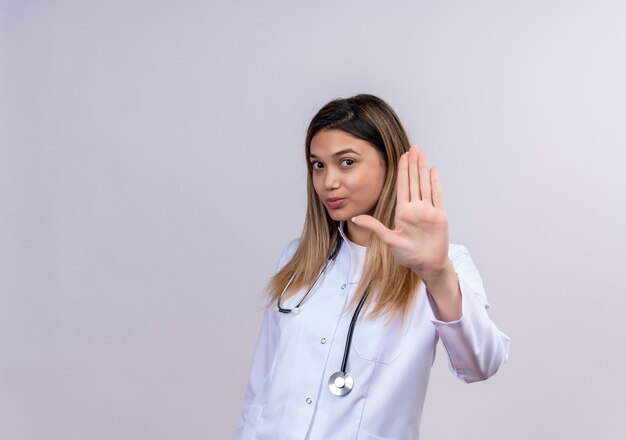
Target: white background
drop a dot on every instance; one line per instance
(152, 170)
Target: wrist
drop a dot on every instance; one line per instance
(443, 286)
(432, 277)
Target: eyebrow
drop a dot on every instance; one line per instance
(339, 153)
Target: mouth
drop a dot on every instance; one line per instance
(334, 203)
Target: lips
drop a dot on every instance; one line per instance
(334, 202)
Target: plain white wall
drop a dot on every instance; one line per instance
(152, 170)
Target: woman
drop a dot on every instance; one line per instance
(362, 297)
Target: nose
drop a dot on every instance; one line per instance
(331, 179)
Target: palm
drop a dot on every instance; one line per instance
(419, 239)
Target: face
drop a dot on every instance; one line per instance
(348, 173)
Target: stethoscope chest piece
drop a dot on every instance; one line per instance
(340, 383)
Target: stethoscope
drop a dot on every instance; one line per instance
(341, 382)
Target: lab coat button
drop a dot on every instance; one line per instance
(308, 400)
(343, 286)
(323, 340)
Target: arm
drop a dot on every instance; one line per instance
(267, 343)
(419, 241)
(261, 368)
(475, 346)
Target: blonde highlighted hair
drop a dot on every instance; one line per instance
(392, 286)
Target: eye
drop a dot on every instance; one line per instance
(317, 165)
(348, 162)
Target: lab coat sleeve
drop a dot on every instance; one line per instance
(263, 360)
(475, 346)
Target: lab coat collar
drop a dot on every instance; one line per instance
(342, 225)
(355, 273)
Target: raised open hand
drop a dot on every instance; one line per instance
(419, 239)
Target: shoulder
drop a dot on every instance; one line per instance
(461, 259)
(457, 252)
(288, 253)
(465, 267)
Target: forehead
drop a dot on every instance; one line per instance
(327, 142)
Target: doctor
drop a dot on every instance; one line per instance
(359, 302)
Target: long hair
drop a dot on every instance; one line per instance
(392, 286)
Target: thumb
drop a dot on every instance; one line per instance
(371, 224)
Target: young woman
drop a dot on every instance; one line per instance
(360, 300)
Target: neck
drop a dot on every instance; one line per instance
(357, 234)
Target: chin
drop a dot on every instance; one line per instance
(339, 216)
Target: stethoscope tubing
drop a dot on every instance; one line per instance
(341, 382)
(296, 309)
(355, 317)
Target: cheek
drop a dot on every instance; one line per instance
(364, 189)
(374, 182)
(376, 185)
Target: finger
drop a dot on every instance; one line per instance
(402, 182)
(371, 224)
(436, 188)
(414, 185)
(424, 177)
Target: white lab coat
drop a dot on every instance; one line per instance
(288, 396)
